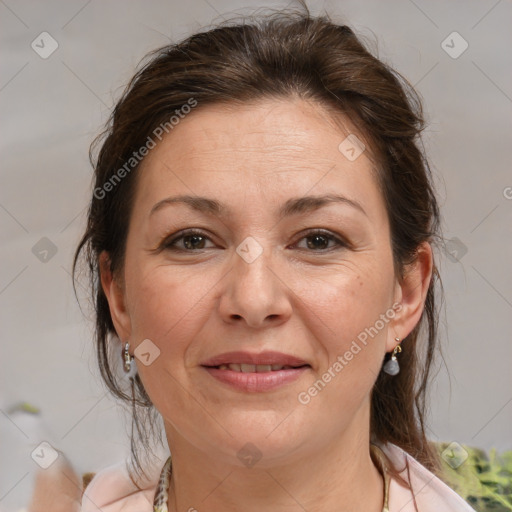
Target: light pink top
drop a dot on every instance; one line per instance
(111, 490)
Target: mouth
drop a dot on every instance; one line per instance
(256, 373)
(256, 378)
(251, 362)
(256, 368)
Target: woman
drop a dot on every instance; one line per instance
(260, 246)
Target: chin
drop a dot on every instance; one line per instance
(269, 440)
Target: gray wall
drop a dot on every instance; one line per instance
(52, 107)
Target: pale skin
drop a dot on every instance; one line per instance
(297, 297)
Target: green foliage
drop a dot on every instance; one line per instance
(483, 480)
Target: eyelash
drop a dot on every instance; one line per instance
(170, 244)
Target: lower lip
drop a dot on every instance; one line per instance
(257, 381)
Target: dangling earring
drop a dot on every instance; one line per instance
(392, 367)
(127, 358)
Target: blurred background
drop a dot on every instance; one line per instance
(63, 65)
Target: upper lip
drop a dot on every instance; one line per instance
(241, 357)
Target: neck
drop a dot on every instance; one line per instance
(338, 477)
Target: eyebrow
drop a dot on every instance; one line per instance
(293, 206)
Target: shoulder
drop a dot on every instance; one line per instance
(112, 490)
(429, 492)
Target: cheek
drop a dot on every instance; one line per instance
(163, 300)
(346, 301)
(349, 313)
(166, 305)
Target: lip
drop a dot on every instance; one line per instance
(254, 381)
(242, 357)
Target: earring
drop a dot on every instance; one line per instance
(392, 367)
(127, 358)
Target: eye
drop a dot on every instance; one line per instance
(192, 240)
(318, 240)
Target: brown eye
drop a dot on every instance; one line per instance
(318, 241)
(189, 241)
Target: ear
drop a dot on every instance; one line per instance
(411, 292)
(116, 298)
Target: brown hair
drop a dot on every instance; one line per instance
(278, 56)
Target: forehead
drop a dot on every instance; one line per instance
(266, 150)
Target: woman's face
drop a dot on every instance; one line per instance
(258, 276)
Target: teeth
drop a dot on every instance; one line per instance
(253, 368)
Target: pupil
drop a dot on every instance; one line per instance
(316, 238)
(190, 241)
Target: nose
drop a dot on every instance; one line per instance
(255, 292)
